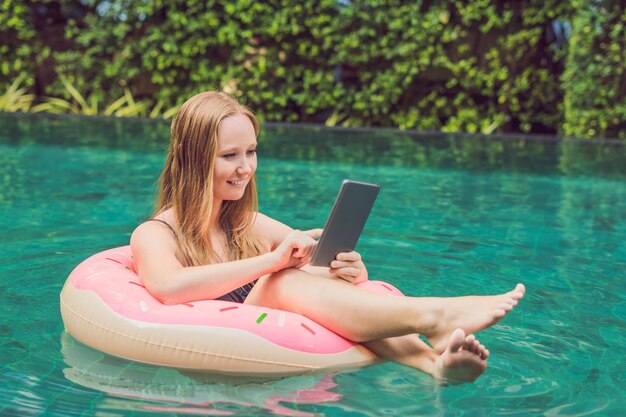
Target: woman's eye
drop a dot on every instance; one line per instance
(251, 151)
(229, 156)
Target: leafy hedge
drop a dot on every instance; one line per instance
(595, 78)
(481, 66)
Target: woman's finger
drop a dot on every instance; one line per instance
(309, 250)
(341, 264)
(305, 246)
(313, 233)
(346, 271)
(339, 274)
(348, 256)
(300, 246)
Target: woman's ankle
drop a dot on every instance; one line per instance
(428, 313)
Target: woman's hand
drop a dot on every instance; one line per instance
(296, 249)
(348, 266)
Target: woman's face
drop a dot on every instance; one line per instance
(235, 161)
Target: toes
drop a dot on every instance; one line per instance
(481, 350)
(512, 301)
(505, 307)
(472, 345)
(468, 343)
(485, 354)
(456, 340)
(518, 292)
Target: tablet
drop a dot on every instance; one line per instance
(346, 221)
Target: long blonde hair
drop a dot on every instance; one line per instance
(186, 183)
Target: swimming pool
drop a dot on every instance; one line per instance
(455, 216)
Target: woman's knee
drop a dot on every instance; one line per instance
(272, 289)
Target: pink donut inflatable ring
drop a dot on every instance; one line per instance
(104, 305)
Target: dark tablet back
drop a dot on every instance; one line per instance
(346, 221)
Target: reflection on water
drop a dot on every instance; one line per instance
(155, 388)
(348, 146)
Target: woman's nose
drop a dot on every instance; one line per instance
(245, 167)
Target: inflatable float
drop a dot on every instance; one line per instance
(104, 305)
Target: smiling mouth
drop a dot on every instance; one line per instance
(238, 182)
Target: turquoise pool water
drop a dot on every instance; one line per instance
(455, 216)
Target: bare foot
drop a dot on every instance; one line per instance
(463, 360)
(471, 314)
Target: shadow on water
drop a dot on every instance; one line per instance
(513, 153)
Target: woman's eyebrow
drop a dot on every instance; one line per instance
(233, 149)
(236, 148)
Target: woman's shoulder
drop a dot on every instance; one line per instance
(160, 227)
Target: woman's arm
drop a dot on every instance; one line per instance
(154, 249)
(350, 270)
(273, 231)
(347, 266)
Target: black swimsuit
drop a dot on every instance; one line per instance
(238, 295)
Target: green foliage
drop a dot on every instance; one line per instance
(15, 98)
(19, 42)
(125, 106)
(485, 66)
(595, 78)
(453, 66)
(77, 106)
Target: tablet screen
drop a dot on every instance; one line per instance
(346, 221)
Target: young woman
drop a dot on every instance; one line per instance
(206, 240)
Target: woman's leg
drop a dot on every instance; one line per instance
(363, 316)
(464, 360)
